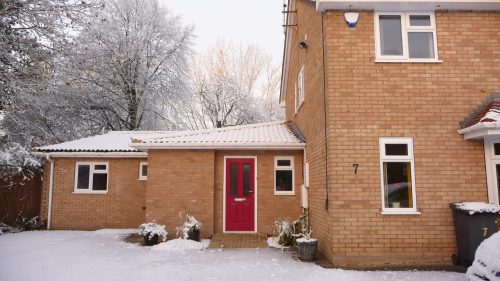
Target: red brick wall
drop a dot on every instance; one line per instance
(368, 100)
(181, 180)
(121, 207)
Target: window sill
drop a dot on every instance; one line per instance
(90, 192)
(400, 213)
(407, 61)
(284, 193)
(142, 179)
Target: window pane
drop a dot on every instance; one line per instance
(83, 177)
(496, 146)
(421, 45)
(397, 185)
(100, 182)
(234, 179)
(396, 149)
(100, 167)
(246, 179)
(498, 180)
(284, 180)
(144, 170)
(391, 42)
(286, 163)
(420, 20)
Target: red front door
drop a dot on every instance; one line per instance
(240, 190)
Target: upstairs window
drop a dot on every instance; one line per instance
(406, 37)
(143, 171)
(284, 175)
(91, 177)
(398, 175)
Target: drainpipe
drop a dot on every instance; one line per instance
(51, 189)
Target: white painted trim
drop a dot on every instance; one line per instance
(284, 168)
(491, 160)
(408, 5)
(92, 171)
(401, 213)
(141, 176)
(391, 158)
(51, 191)
(405, 29)
(94, 154)
(299, 90)
(224, 195)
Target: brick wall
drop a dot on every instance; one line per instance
(368, 100)
(181, 180)
(121, 207)
(269, 206)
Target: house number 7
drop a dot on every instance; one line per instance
(355, 168)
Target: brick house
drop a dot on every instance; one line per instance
(400, 118)
(234, 180)
(380, 105)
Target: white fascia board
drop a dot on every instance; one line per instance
(480, 133)
(408, 6)
(250, 146)
(93, 154)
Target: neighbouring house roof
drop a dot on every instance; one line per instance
(272, 135)
(484, 121)
(116, 141)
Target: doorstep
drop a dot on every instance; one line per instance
(227, 240)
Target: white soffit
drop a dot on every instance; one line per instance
(408, 6)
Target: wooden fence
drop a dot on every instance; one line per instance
(19, 198)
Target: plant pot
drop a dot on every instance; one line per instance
(194, 235)
(307, 249)
(396, 204)
(150, 240)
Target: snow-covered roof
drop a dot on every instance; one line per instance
(272, 135)
(486, 117)
(117, 141)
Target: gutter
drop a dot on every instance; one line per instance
(93, 154)
(270, 146)
(51, 190)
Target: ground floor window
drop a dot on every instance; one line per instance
(283, 175)
(492, 156)
(397, 175)
(91, 177)
(143, 171)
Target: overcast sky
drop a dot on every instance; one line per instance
(251, 22)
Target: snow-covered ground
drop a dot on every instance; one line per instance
(102, 255)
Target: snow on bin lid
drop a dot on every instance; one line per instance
(476, 207)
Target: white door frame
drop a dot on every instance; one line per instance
(224, 194)
(491, 161)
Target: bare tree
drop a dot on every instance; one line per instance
(232, 85)
(128, 66)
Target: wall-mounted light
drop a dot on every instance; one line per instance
(302, 45)
(351, 18)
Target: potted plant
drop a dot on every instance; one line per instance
(152, 232)
(191, 227)
(306, 245)
(395, 200)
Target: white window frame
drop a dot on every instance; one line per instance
(284, 168)
(398, 158)
(299, 90)
(141, 176)
(92, 171)
(405, 29)
(491, 161)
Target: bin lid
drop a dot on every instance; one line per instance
(475, 207)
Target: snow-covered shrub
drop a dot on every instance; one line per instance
(190, 225)
(302, 223)
(286, 231)
(151, 229)
(21, 224)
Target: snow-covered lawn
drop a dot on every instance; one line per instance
(102, 255)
